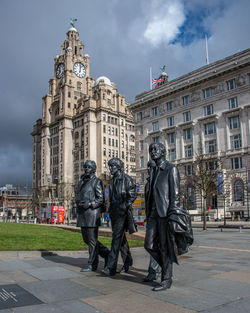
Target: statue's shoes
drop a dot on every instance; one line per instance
(88, 269)
(150, 278)
(124, 269)
(108, 272)
(165, 284)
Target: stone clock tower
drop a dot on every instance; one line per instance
(82, 119)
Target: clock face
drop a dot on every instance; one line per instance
(79, 69)
(59, 70)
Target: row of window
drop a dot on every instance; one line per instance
(208, 110)
(210, 128)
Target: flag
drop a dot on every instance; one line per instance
(220, 183)
(157, 80)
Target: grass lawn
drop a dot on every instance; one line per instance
(27, 237)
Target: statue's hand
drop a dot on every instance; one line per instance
(84, 205)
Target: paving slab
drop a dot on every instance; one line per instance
(15, 264)
(107, 285)
(242, 276)
(50, 291)
(19, 276)
(223, 288)
(73, 306)
(240, 306)
(129, 301)
(5, 279)
(190, 298)
(52, 273)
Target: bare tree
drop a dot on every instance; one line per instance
(203, 179)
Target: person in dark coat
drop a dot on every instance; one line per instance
(154, 269)
(162, 196)
(122, 193)
(90, 203)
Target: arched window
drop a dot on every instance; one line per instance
(238, 190)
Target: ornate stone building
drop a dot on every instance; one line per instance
(208, 108)
(82, 118)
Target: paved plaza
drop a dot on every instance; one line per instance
(213, 277)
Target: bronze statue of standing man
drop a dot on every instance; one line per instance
(122, 193)
(162, 196)
(90, 204)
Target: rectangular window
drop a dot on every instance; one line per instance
(233, 103)
(231, 84)
(186, 100)
(172, 154)
(208, 110)
(210, 128)
(155, 111)
(142, 161)
(140, 130)
(109, 154)
(235, 141)
(141, 144)
(69, 94)
(109, 130)
(104, 117)
(104, 129)
(187, 116)
(170, 121)
(69, 105)
(104, 140)
(211, 165)
(171, 138)
(188, 169)
(156, 139)
(139, 116)
(104, 151)
(170, 106)
(188, 151)
(187, 133)
(155, 126)
(211, 146)
(234, 122)
(207, 93)
(236, 163)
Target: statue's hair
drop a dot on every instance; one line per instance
(161, 146)
(91, 163)
(117, 162)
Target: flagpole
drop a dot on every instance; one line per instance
(207, 59)
(150, 77)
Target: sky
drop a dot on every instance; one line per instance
(123, 38)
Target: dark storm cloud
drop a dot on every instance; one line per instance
(123, 39)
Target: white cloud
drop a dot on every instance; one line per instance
(164, 21)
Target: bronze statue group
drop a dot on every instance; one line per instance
(168, 229)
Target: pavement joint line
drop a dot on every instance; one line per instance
(220, 248)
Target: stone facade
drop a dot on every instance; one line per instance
(208, 108)
(82, 119)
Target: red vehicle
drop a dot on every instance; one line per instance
(57, 214)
